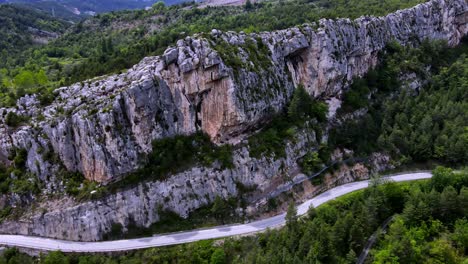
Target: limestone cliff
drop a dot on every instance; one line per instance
(221, 83)
(182, 193)
(225, 84)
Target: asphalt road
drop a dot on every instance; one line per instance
(47, 244)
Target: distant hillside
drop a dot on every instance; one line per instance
(76, 9)
(22, 27)
(51, 8)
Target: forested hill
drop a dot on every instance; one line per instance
(22, 27)
(76, 10)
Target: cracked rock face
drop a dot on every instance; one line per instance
(224, 84)
(181, 193)
(103, 127)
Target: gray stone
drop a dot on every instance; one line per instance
(101, 127)
(104, 126)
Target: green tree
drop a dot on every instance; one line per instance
(321, 250)
(463, 201)
(441, 177)
(311, 212)
(248, 5)
(56, 257)
(158, 6)
(415, 212)
(385, 256)
(14, 120)
(24, 80)
(310, 163)
(219, 208)
(449, 203)
(41, 78)
(441, 251)
(351, 257)
(341, 232)
(356, 236)
(291, 216)
(460, 235)
(218, 256)
(303, 107)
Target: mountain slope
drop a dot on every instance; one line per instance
(133, 126)
(76, 10)
(21, 28)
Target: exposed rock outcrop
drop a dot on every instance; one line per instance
(223, 84)
(182, 193)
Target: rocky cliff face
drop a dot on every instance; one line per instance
(183, 193)
(223, 84)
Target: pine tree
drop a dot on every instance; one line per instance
(311, 212)
(291, 216)
(218, 256)
(449, 203)
(351, 257)
(463, 201)
(219, 209)
(248, 5)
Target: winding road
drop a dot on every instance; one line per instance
(46, 244)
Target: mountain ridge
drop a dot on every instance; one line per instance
(77, 10)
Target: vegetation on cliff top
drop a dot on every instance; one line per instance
(115, 41)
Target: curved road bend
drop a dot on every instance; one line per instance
(47, 244)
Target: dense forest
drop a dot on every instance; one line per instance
(75, 10)
(429, 225)
(19, 26)
(413, 124)
(21, 29)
